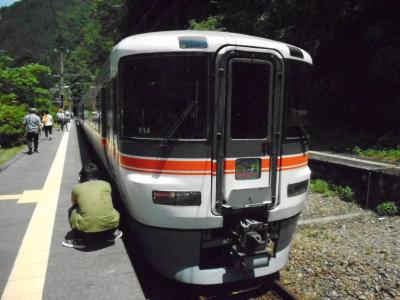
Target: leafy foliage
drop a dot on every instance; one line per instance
(211, 23)
(387, 208)
(98, 37)
(29, 30)
(345, 193)
(355, 44)
(23, 84)
(327, 189)
(321, 187)
(390, 155)
(11, 129)
(20, 87)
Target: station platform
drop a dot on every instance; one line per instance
(372, 180)
(34, 198)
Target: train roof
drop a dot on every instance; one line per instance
(169, 41)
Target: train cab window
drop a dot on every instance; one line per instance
(160, 93)
(250, 86)
(297, 99)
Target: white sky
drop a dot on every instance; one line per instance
(7, 2)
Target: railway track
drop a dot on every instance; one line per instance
(283, 292)
(267, 290)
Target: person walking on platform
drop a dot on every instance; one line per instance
(92, 216)
(67, 119)
(32, 126)
(60, 119)
(47, 121)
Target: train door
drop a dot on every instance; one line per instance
(248, 127)
(112, 116)
(109, 125)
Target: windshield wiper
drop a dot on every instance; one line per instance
(305, 134)
(177, 124)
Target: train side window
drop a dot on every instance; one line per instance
(95, 113)
(297, 99)
(114, 100)
(104, 98)
(249, 100)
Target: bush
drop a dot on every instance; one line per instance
(345, 193)
(11, 128)
(387, 208)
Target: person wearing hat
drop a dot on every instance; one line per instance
(92, 216)
(32, 126)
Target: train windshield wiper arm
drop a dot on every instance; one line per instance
(305, 134)
(177, 124)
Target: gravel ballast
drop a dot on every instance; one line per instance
(356, 258)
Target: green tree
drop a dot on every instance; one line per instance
(11, 129)
(100, 34)
(23, 85)
(211, 23)
(20, 87)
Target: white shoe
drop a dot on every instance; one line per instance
(78, 244)
(116, 235)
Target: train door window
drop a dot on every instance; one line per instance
(250, 93)
(164, 92)
(297, 99)
(114, 98)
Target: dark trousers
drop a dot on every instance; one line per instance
(32, 137)
(65, 124)
(61, 122)
(102, 235)
(48, 130)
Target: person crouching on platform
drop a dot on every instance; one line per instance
(92, 216)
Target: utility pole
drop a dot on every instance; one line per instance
(61, 77)
(61, 85)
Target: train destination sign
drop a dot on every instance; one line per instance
(196, 42)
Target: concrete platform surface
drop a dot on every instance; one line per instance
(34, 199)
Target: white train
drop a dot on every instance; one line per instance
(201, 132)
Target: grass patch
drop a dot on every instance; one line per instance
(391, 155)
(8, 153)
(327, 189)
(321, 233)
(321, 187)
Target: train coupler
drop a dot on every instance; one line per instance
(251, 244)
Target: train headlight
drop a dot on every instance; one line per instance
(177, 198)
(298, 188)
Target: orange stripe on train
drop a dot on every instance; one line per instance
(190, 167)
(166, 165)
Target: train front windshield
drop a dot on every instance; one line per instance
(163, 92)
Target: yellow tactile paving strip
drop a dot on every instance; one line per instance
(31, 196)
(10, 197)
(28, 196)
(28, 275)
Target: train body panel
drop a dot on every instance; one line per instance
(202, 132)
(142, 185)
(183, 261)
